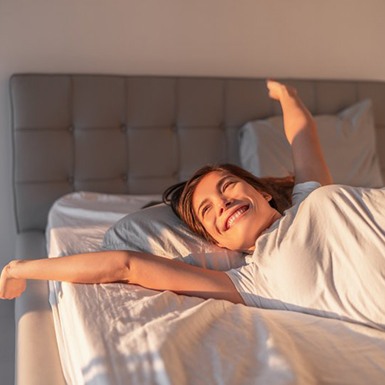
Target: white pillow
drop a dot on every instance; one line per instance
(347, 139)
(78, 221)
(159, 231)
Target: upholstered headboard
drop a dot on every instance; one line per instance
(139, 134)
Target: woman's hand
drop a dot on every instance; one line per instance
(301, 133)
(278, 91)
(11, 287)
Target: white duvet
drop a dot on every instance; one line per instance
(123, 334)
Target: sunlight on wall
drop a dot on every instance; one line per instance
(328, 39)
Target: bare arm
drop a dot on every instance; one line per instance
(142, 269)
(301, 132)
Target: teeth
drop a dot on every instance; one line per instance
(235, 216)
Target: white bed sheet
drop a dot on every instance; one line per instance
(124, 334)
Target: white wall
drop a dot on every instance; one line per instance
(275, 38)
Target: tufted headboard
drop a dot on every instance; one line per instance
(140, 134)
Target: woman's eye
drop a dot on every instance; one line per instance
(227, 184)
(205, 210)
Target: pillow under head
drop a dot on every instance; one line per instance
(157, 230)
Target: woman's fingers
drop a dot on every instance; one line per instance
(11, 288)
(279, 90)
(274, 89)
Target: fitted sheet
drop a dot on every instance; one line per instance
(125, 334)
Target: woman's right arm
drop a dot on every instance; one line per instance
(142, 269)
(301, 132)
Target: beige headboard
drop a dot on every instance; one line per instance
(139, 134)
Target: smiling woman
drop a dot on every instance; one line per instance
(232, 208)
(296, 264)
(232, 211)
(278, 192)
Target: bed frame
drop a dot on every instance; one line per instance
(128, 135)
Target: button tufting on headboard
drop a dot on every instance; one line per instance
(152, 130)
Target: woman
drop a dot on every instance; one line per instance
(229, 209)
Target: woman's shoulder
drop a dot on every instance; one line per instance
(302, 190)
(339, 193)
(315, 191)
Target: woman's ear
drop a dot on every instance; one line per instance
(267, 196)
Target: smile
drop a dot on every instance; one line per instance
(233, 217)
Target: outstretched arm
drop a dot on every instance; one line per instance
(301, 132)
(142, 269)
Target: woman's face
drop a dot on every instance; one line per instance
(232, 211)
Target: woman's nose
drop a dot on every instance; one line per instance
(224, 204)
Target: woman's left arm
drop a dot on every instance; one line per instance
(301, 132)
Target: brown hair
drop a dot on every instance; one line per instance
(179, 196)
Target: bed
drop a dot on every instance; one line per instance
(91, 150)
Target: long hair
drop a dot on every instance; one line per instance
(179, 196)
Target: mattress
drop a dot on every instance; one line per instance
(124, 334)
